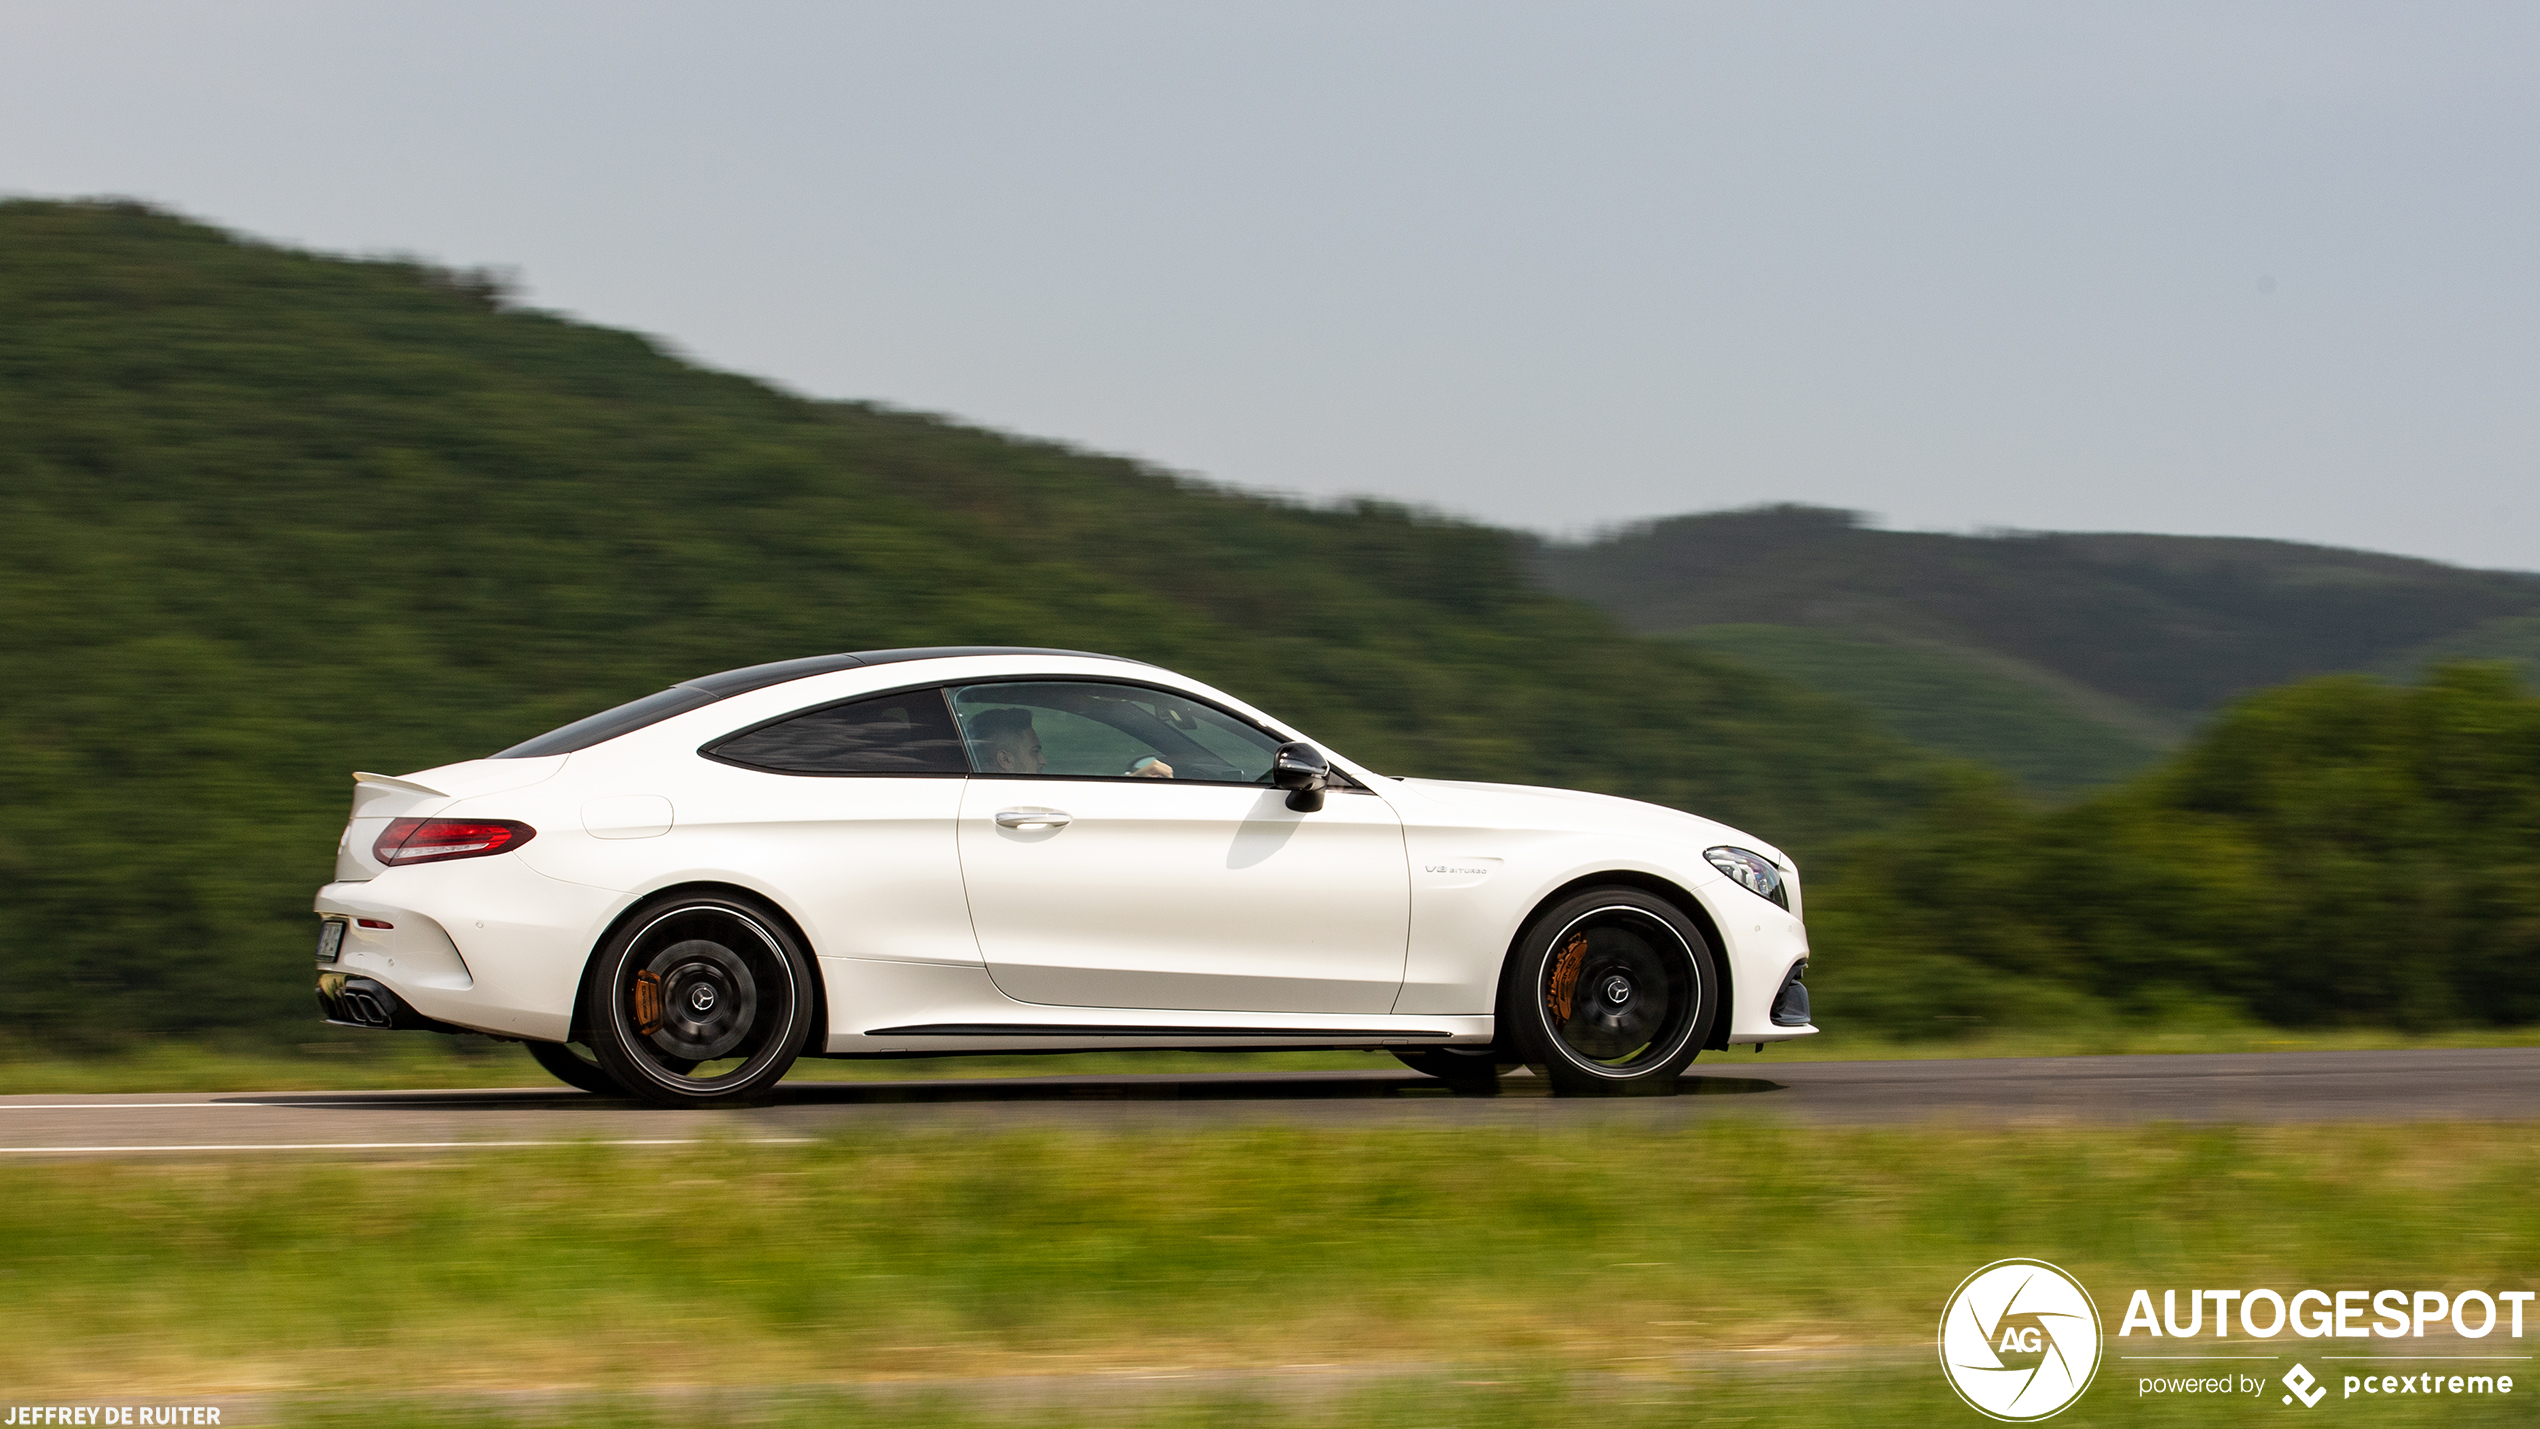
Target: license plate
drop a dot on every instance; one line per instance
(330, 940)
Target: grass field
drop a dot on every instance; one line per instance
(1548, 1400)
(1469, 1275)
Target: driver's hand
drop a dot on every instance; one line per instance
(1151, 768)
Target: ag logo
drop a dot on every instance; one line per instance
(2019, 1340)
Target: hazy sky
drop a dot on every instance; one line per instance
(2207, 267)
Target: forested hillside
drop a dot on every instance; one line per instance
(2062, 659)
(2338, 852)
(267, 517)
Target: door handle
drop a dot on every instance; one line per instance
(1034, 819)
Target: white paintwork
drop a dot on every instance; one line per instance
(628, 816)
(1186, 896)
(1211, 909)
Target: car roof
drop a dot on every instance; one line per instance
(704, 690)
(777, 672)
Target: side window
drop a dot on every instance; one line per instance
(1085, 730)
(906, 733)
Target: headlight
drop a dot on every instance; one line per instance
(1753, 871)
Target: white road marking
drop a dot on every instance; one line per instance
(402, 1145)
(117, 1106)
(399, 1103)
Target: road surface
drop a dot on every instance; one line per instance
(2487, 1084)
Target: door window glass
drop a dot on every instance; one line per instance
(1072, 730)
(906, 733)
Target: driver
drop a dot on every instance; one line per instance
(1007, 744)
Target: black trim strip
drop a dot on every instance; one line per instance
(727, 683)
(1054, 1029)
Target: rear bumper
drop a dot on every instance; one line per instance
(486, 945)
(348, 1001)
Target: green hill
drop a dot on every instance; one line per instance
(2047, 732)
(2339, 852)
(2059, 658)
(266, 517)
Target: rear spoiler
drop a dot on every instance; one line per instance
(379, 794)
(365, 777)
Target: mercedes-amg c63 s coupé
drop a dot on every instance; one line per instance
(923, 852)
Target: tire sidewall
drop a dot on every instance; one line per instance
(612, 1031)
(560, 1063)
(1531, 1033)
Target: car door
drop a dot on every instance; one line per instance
(849, 808)
(1122, 847)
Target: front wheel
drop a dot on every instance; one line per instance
(700, 1000)
(1610, 992)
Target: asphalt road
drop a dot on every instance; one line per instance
(2491, 1084)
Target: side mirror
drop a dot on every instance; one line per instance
(1302, 770)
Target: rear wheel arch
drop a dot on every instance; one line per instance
(815, 1043)
(1716, 1038)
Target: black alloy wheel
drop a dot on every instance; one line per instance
(1610, 992)
(699, 1001)
(574, 1069)
(1471, 1073)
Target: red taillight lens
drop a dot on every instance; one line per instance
(438, 840)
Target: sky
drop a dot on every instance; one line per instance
(2207, 268)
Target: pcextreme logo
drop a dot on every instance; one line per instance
(2019, 1340)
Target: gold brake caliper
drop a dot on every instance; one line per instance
(1565, 977)
(648, 1003)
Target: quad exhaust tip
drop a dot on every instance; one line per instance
(357, 1002)
(363, 1002)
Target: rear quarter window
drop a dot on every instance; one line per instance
(906, 733)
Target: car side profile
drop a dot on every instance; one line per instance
(926, 852)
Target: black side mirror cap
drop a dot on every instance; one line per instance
(1302, 770)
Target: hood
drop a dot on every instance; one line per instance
(1531, 805)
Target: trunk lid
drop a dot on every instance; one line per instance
(378, 798)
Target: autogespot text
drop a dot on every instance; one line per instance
(2326, 1314)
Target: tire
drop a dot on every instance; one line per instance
(1611, 992)
(728, 1007)
(1471, 1074)
(575, 1070)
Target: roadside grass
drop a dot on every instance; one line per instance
(1545, 1400)
(360, 1062)
(2120, 1039)
(1591, 1259)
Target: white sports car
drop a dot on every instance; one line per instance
(919, 852)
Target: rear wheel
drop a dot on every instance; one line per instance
(574, 1069)
(700, 1000)
(1610, 992)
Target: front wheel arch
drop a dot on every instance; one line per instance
(815, 1042)
(1716, 1039)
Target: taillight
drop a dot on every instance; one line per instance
(438, 840)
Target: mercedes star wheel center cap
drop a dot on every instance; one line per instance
(702, 998)
(1618, 989)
